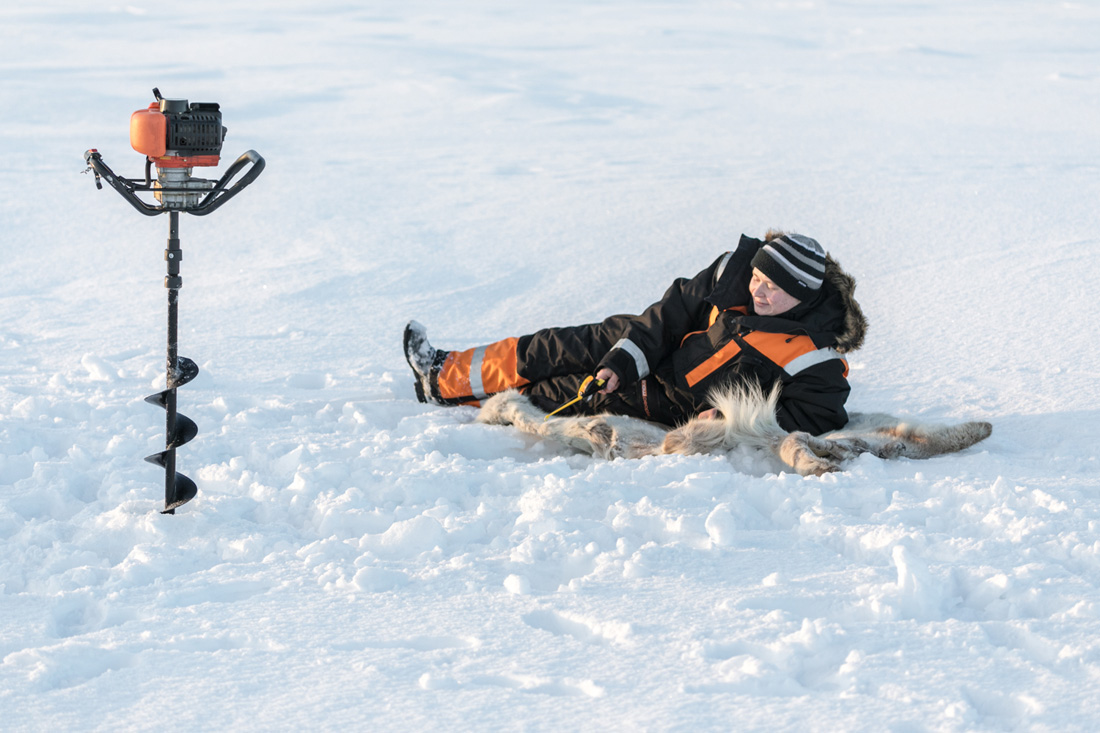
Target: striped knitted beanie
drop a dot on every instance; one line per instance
(794, 263)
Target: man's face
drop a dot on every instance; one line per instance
(768, 299)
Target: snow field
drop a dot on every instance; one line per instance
(355, 559)
(736, 584)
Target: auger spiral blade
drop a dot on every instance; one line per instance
(184, 372)
(183, 432)
(185, 491)
(179, 430)
(180, 490)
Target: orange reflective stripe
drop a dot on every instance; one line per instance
(498, 370)
(713, 363)
(780, 348)
(713, 316)
(480, 372)
(454, 376)
(777, 348)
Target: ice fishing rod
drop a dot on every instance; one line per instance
(176, 137)
(589, 387)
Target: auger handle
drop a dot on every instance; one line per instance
(211, 201)
(124, 186)
(220, 194)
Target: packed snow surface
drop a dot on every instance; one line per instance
(355, 560)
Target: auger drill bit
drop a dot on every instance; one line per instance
(179, 429)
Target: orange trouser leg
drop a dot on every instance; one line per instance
(477, 373)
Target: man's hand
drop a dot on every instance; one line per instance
(610, 380)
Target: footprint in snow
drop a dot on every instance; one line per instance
(580, 629)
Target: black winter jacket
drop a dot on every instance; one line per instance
(703, 335)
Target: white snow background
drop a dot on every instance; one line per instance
(356, 560)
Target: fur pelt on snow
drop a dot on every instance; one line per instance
(747, 418)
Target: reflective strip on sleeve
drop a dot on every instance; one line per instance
(813, 358)
(722, 267)
(640, 361)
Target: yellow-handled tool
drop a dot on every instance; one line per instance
(589, 387)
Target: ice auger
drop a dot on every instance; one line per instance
(176, 137)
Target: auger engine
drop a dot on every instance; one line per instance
(176, 137)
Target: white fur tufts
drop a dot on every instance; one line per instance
(747, 419)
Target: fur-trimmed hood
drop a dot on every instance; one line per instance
(851, 336)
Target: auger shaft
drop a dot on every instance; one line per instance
(172, 256)
(178, 429)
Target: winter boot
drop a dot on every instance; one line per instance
(424, 361)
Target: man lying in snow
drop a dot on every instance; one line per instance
(773, 312)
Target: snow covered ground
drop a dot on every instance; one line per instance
(356, 560)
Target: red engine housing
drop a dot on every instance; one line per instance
(151, 130)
